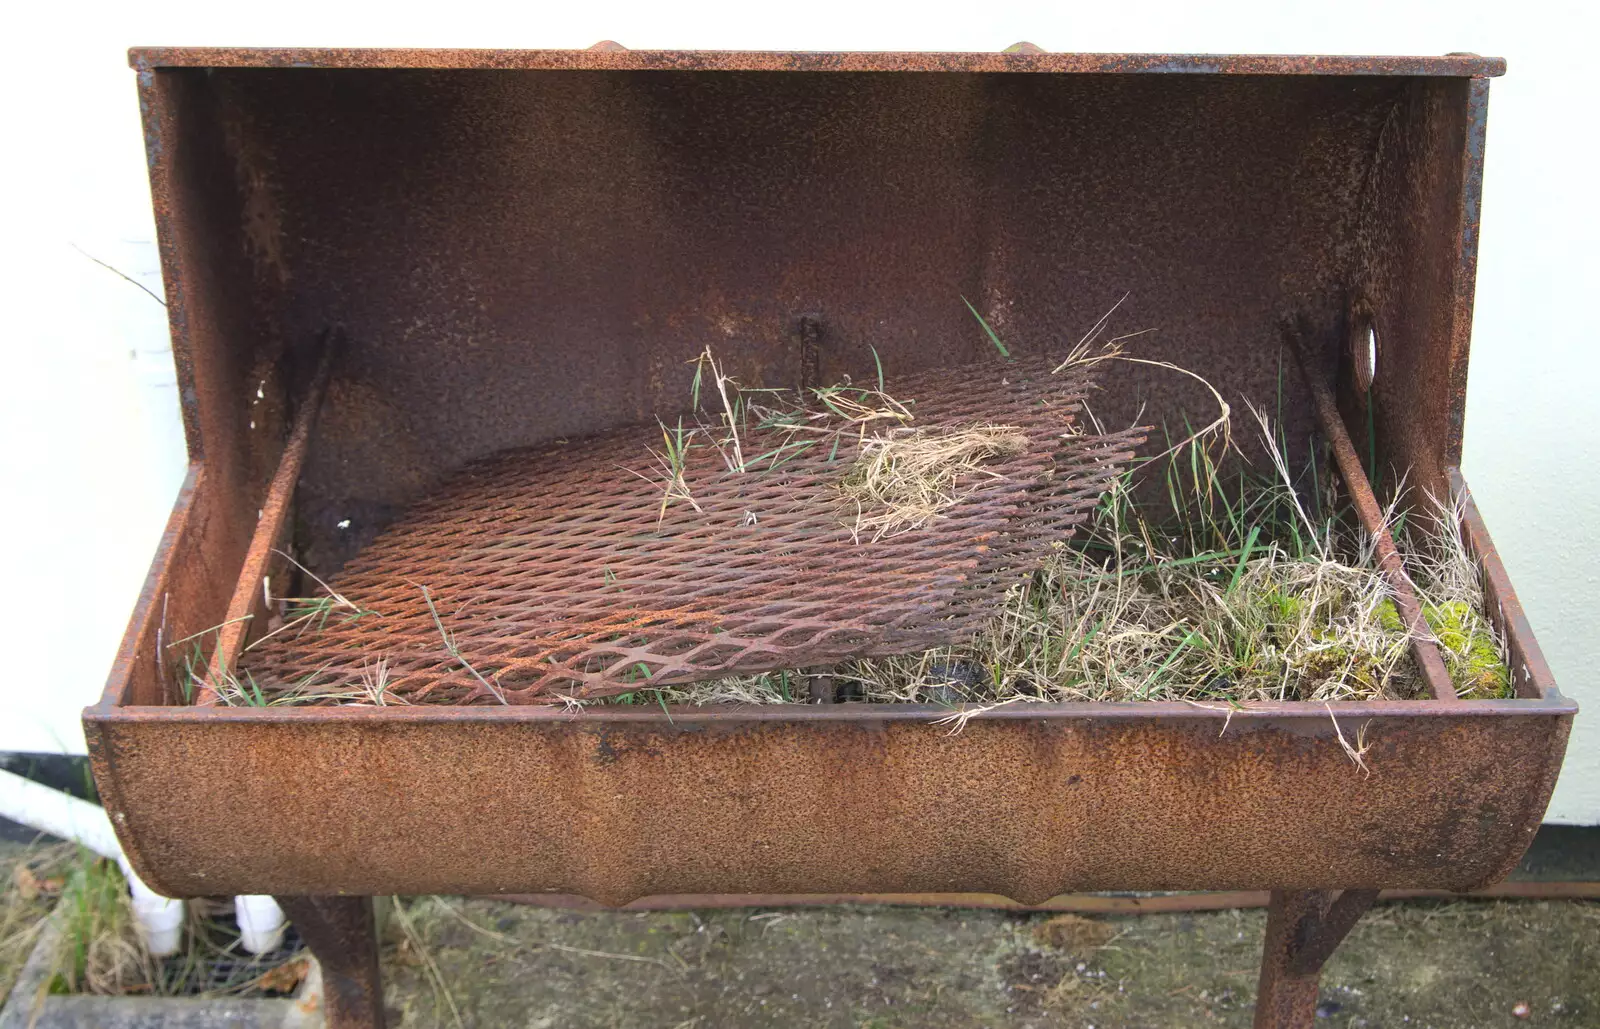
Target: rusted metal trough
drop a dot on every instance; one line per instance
(516, 247)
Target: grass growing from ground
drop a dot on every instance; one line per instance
(1451, 965)
(101, 952)
(37, 877)
(98, 949)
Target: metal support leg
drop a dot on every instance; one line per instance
(343, 936)
(1303, 928)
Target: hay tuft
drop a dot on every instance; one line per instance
(906, 477)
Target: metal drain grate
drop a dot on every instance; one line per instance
(550, 572)
(217, 966)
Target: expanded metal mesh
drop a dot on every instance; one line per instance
(553, 572)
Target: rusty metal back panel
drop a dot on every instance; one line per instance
(1025, 804)
(520, 255)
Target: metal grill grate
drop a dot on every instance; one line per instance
(552, 576)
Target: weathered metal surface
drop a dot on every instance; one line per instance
(1424, 649)
(249, 603)
(343, 936)
(1285, 999)
(233, 373)
(1411, 258)
(523, 253)
(1314, 940)
(620, 59)
(1303, 929)
(524, 256)
(557, 571)
(1025, 802)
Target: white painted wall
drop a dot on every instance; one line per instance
(94, 451)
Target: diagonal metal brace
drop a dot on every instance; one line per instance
(1303, 928)
(1314, 937)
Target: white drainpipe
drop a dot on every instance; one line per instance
(160, 919)
(261, 922)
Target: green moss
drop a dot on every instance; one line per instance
(1470, 650)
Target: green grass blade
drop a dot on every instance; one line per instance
(992, 337)
(1209, 556)
(1244, 558)
(1192, 637)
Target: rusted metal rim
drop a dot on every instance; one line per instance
(1453, 66)
(688, 717)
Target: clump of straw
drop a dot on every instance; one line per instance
(906, 477)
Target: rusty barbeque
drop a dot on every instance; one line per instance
(422, 302)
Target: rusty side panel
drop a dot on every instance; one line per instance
(1415, 261)
(614, 57)
(145, 663)
(832, 800)
(231, 380)
(1529, 673)
(228, 362)
(263, 561)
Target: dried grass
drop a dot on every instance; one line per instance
(36, 881)
(903, 475)
(99, 950)
(905, 478)
(1452, 600)
(1252, 597)
(790, 422)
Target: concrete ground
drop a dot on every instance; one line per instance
(1419, 965)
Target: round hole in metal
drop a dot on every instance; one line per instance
(1364, 352)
